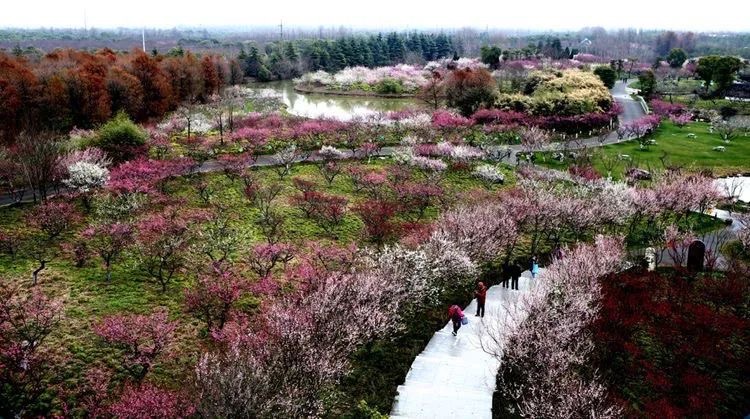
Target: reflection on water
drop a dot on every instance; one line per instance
(338, 107)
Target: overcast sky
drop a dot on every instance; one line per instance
(727, 15)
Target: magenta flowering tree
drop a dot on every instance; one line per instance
(108, 240)
(146, 176)
(263, 258)
(369, 149)
(215, 294)
(146, 400)
(326, 210)
(234, 165)
(416, 197)
(141, 338)
(681, 120)
(666, 109)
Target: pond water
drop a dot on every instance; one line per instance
(338, 107)
(738, 186)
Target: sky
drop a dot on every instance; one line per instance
(719, 15)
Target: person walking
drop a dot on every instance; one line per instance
(515, 274)
(534, 267)
(481, 294)
(456, 315)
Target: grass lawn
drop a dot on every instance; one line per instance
(743, 108)
(675, 148)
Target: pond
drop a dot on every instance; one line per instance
(338, 107)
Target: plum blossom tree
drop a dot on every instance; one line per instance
(677, 243)
(378, 216)
(108, 240)
(215, 294)
(285, 158)
(263, 258)
(217, 238)
(26, 320)
(327, 162)
(48, 222)
(544, 345)
(142, 338)
(533, 140)
(163, 240)
(84, 177)
(484, 230)
(304, 343)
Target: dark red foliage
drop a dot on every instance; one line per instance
(68, 88)
(327, 210)
(675, 346)
(214, 295)
(378, 218)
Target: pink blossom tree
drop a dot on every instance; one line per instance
(26, 321)
(215, 294)
(163, 240)
(48, 222)
(677, 244)
(109, 240)
(304, 344)
(141, 338)
(263, 258)
(146, 400)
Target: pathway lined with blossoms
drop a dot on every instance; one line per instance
(454, 377)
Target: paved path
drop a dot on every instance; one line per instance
(454, 377)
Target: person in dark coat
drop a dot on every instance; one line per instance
(455, 314)
(515, 274)
(505, 274)
(481, 294)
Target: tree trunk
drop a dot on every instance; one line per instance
(35, 274)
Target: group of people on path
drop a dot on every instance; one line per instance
(511, 272)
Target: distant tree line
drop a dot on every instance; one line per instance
(289, 59)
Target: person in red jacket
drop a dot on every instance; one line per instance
(481, 294)
(455, 314)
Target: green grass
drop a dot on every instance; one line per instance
(743, 108)
(675, 148)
